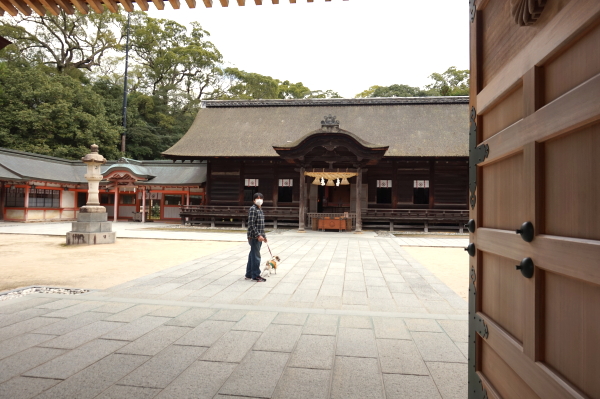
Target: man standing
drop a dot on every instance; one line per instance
(256, 236)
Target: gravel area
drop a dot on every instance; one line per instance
(42, 290)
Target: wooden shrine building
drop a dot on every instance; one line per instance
(381, 162)
(37, 188)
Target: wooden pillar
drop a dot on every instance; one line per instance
(358, 200)
(208, 185)
(395, 185)
(242, 184)
(2, 195)
(144, 205)
(275, 187)
(116, 207)
(26, 202)
(302, 205)
(431, 183)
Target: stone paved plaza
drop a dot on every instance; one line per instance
(346, 316)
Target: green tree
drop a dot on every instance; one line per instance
(172, 61)
(53, 114)
(324, 94)
(250, 86)
(453, 82)
(289, 90)
(64, 41)
(396, 90)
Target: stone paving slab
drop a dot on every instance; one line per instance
(163, 368)
(96, 378)
(328, 325)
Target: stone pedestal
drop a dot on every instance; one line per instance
(92, 227)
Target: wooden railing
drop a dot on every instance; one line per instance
(237, 215)
(288, 216)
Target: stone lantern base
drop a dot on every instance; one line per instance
(92, 227)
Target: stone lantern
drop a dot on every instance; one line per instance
(92, 225)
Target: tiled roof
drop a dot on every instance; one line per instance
(23, 166)
(420, 126)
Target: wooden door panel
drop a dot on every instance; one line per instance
(503, 114)
(502, 188)
(504, 380)
(572, 331)
(503, 294)
(574, 66)
(572, 194)
(535, 93)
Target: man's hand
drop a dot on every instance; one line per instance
(261, 239)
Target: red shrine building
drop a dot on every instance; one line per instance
(38, 188)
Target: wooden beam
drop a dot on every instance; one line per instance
(96, 6)
(66, 6)
(51, 6)
(191, 3)
(258, 2)
(81, 6)
(37, 7)
(143, 4)
(576, 108)
(159, 4)
(1, 12)
(275, 1)
(292, 1)
(8, 7)
(22, 6)
(127, 5)
(224, 3)
(112, 7)
(207, 3)
(241, 3)
(175, 4)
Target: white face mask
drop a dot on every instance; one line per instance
(259, 202)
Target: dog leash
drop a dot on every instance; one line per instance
(269, 249)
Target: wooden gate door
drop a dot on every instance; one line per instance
(534, 311)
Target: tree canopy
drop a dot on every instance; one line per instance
(61, 83)
(452, 82)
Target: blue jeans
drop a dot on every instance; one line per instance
(253, 266)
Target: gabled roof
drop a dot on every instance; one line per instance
(23, 166)
(28, 166)
(420, 126)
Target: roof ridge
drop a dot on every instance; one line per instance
(308, 102)
(42, 156)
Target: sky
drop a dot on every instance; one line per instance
(346, 46)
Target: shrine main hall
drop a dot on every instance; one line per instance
(351, 163)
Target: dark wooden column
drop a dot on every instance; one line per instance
(207, 187)
(395, 185)
(276, 186)
(358, 200)
(302, 205)
(242, 184)
(431, 183)
(2, 197)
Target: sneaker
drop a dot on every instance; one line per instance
(259, 279)
(247, 278)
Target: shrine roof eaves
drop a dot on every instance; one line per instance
(24, 166)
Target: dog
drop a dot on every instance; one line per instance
(271, 266)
